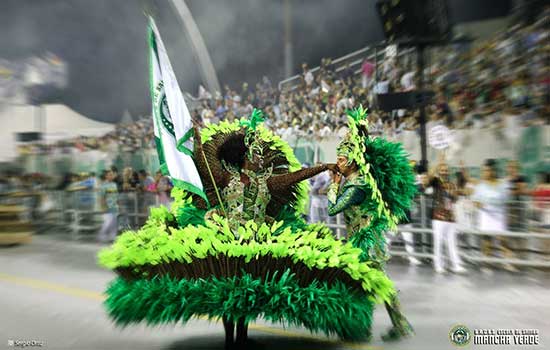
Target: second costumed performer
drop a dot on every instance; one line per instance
(373, 188)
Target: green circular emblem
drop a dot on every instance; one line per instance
(164, 113)
(460, 335)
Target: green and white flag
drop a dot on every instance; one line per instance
(172, 121)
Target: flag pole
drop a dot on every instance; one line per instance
(211, 176)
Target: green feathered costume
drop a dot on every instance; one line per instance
(249, 257)
(374, 197)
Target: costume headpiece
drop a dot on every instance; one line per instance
(353, 145)
(252, 139)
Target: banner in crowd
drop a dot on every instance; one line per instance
(173, 126)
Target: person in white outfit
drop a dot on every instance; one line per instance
(490, 197)
(408, 239)
(464, 207)
(443, 220)
(319, 202)
(109, 203)
(405, 225)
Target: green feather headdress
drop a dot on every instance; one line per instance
(251, 139)
(353, 146)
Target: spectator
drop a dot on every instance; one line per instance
(130, 182)
(147, 197)
(145, 180)
(221, 110)
(408, 238)
(383, 86)
(266, 84)
(443, 220)
(164, 186)
(464, 208)
(541, 196)
(308, 76)
(117, 179)
(345, 103)
(407, 81)
(325, 131)
(89, 181)
(65, 182)
(490, 196)
(518, 195)
(318, 199)
(367, 69)
(109, 204)
(347, 73)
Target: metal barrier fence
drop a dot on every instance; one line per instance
(525, 243)
(79, 212)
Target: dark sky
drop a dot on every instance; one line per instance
(104, 41)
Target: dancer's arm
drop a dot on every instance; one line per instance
(283, 181)
(351, 196)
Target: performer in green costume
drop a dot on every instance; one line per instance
(248, 256)
(377, 190)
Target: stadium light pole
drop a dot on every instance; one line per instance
(422, 110)
(208, 73)
(287, 14)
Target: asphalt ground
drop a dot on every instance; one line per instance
(51, 292)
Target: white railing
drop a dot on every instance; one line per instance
(536, 237)
(354, 59)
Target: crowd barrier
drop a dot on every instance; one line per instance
(78, 214)
(527, 245)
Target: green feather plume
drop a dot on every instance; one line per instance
(255, 119)
(332, 310)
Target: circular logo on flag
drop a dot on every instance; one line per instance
(164, 111)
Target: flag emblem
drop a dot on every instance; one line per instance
(164, 110)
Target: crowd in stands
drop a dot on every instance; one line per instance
(500, 83)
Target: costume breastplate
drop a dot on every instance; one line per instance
(355, 217)
(247, 202)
